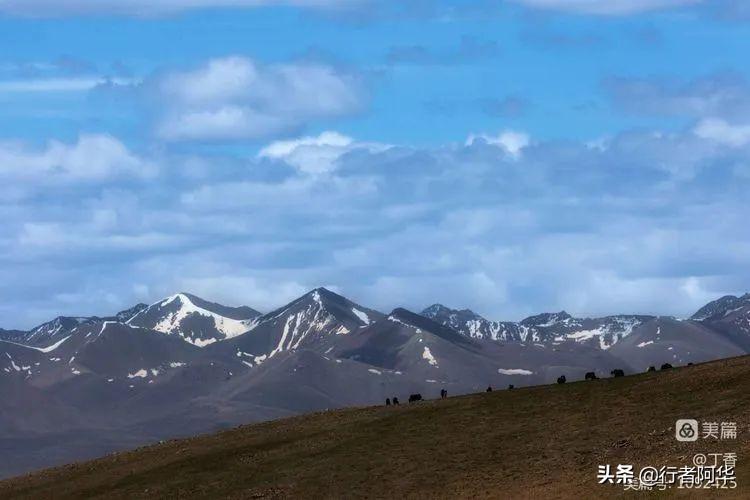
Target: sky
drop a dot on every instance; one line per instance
(508, 156)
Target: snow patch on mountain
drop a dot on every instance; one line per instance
(171, 322)
(427, 355)
(40, 349)
(361, 315)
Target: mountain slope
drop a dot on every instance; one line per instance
(667, 340)
(530, 443)
(425, 351)
(118, 385)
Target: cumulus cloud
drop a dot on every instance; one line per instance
(718, 130)
(315, 154)
(511, 141)
(607, 7)
(236, 98)
(94, 157)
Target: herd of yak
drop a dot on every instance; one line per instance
(617, 372)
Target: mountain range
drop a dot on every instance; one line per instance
(79, 387)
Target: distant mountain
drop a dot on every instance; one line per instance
(668, 340)
(195, 320)
(51, 331)
(719, 308)
(729, 316)
(546, 328)
(127, 314)
(473, 325)
(313, 321)
(13, 335)
(76, 387)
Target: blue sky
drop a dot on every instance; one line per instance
(508, 156)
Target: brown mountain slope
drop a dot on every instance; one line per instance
(542, 442)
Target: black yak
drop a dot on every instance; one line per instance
(618, 373)
(591, 376)
(651, 369)
(489, 388)
(510, 387)
(561, 379)
(415, 397)
(395, 401)
(388, 401)
(666, 366)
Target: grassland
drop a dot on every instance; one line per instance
(538, 442)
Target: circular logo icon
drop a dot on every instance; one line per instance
(686, 430)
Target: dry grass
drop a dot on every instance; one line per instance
(540, 442)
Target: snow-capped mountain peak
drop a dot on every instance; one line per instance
(314, 320)
(197, 321)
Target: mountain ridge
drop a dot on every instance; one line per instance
(184, 365)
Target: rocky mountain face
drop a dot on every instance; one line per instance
(78, 387)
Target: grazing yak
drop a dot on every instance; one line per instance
(511, 387)
(651, 369)
(561, 379)
(618, 373)
(666, 366)
(395, 401)
(591, 376)
(415, 397)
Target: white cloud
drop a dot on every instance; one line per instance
(315, 154)
(44, 8)
(607, 7)
(236, 98)
(511, 141)
(227, 122)
(722, 132)
(92, 157)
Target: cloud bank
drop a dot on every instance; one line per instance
(641, 222)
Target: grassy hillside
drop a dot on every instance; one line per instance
(535, 442)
